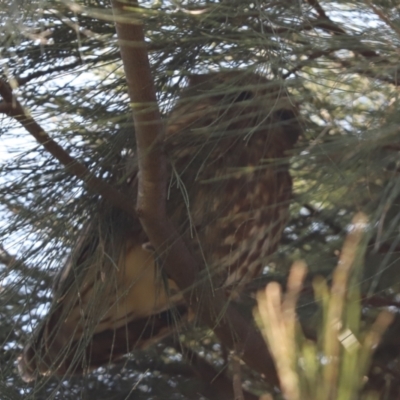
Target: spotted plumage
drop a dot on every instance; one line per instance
(226, 141)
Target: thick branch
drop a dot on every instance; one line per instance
(211, 308)
(13, 108)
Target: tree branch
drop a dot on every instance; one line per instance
(210, 307)
(328, 25)
(37, 74)
(325, 23)
(217, 384)
(13, 263)
(64, 68)
(382, 16)
(237, 375)
(13, 108)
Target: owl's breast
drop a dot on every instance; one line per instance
(229, 198)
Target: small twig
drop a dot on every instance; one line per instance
(15, 264)
(325, 23)
(394, 146)
(237, 375)
(6, 258)
(328, 25)
(300, 65)
(381, 223)
(330, 222)
(217, 385)
(37, 74)
(382, 16)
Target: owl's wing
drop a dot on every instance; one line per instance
(109, 299)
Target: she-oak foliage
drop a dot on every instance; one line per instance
(339, 62)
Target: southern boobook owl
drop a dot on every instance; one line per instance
(229, 194)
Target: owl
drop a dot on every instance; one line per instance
(227, 141)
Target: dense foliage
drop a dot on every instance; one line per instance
(339, 60)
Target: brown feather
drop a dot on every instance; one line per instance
(229, 198)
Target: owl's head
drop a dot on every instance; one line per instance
(235, 103)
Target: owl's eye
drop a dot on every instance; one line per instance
(285, 115)
(243, 96)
